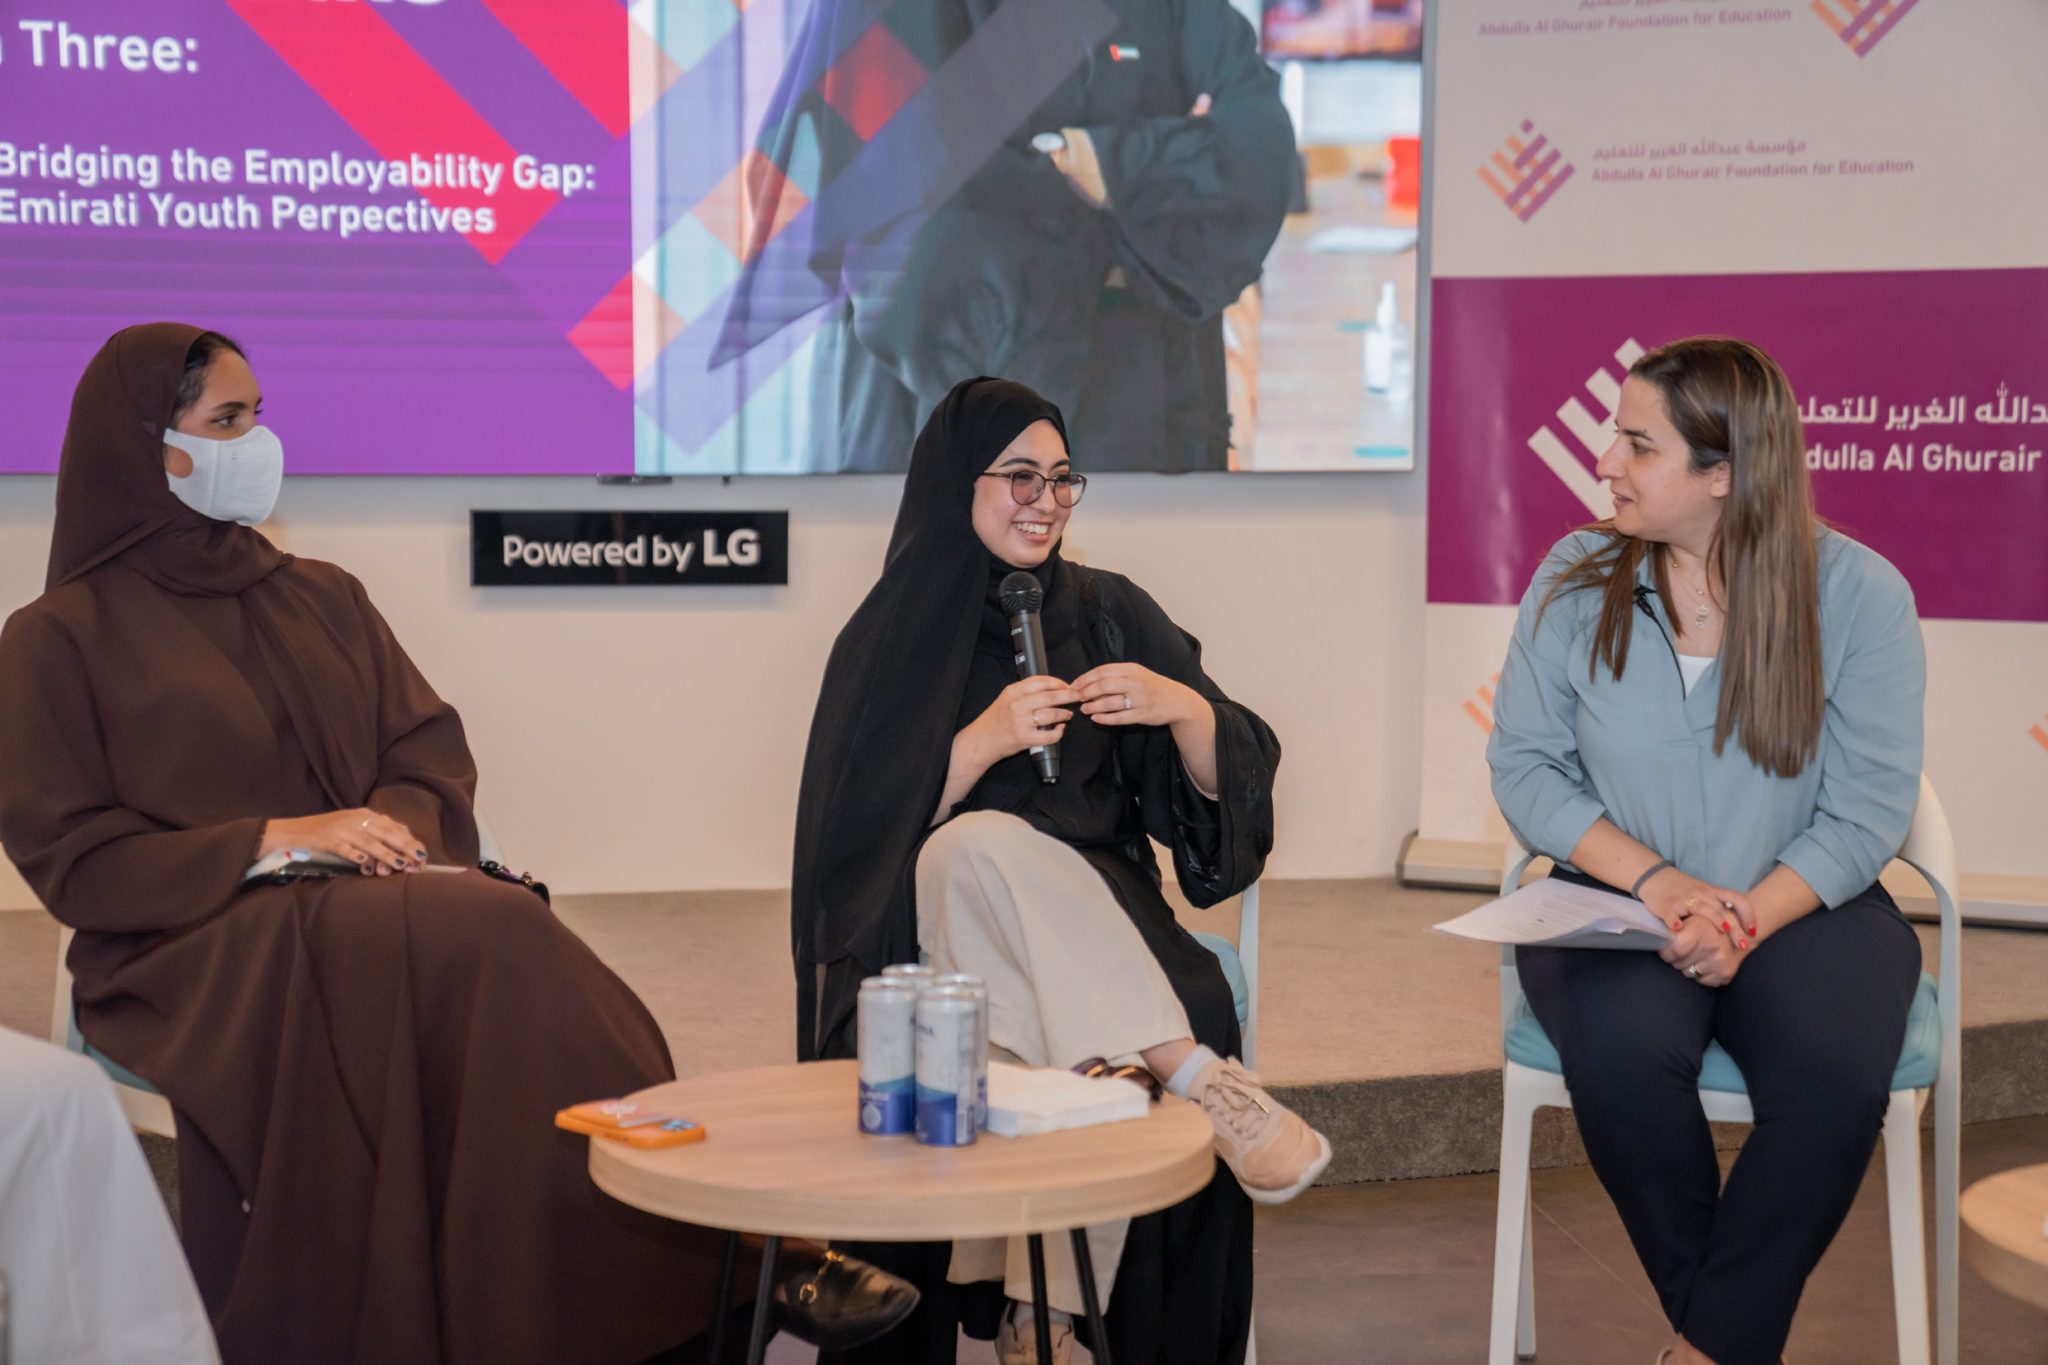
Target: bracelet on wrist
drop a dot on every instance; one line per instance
(1654, 869)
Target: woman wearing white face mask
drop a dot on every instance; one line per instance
(221, 463)
(363, 1068)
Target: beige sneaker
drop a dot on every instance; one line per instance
(1273, 1154)
(1017, 1340)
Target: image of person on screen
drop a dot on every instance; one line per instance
(925, 826)
(364, 1064)
(1032, 190)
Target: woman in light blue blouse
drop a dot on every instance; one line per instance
(1713, 702)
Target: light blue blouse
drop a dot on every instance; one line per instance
(1566, 751)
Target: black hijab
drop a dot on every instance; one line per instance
(888, 708)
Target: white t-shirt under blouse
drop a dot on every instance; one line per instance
(1692, 667)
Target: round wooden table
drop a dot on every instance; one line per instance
(784, 1156)
(2005, 1231)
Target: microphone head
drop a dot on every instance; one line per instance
(1020, 593)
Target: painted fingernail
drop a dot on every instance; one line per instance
(419, 853)
(1742, 943)
(1724, 927)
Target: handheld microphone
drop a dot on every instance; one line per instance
(1021, 598)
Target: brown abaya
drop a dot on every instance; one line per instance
(364, 1070)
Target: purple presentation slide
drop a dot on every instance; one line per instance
(415, 217)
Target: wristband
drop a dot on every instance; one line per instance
(1655, 868)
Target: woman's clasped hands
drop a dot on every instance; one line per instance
(1712, 927)
(1034, 711)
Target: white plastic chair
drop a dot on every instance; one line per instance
(487, 849)
(147, 1109)
(1930, 851)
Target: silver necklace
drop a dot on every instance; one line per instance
(1702, 613)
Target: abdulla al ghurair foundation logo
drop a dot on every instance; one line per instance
(1479, 706)
(1525, 171)
(1862, 24)
(1572, 460)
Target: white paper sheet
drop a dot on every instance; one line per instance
(1561, 914)
(1023, 1100)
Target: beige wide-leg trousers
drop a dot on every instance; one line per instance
(1069, 978)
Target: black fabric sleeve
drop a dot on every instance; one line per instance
(1196, 203)
(1219, 846)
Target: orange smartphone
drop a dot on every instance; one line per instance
(633, 1124)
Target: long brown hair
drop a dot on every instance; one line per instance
(1733, 405)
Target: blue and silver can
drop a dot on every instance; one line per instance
(948, 1035)
(886, 1030)
(968, 981)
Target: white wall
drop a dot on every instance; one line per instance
(650, 739)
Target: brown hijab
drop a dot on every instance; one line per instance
(115, 508)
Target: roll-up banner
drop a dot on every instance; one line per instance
(1611, 175)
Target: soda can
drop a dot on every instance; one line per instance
(970, 982)
(948, 1032)
(915, 972)
(887, 1046)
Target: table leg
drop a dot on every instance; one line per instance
(1041, 1318)
(762, 1296)
(757, 1343)
(725, 1265)
(1084, 1268)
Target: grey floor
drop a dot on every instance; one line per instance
(1395, 1272)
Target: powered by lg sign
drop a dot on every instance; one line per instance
(628, 549)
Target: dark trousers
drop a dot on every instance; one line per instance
(1815, 1018)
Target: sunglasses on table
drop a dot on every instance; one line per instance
(1136, 1075)
(1027, 484)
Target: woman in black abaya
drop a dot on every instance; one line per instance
(923, 825)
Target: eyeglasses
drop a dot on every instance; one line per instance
(1027, 484)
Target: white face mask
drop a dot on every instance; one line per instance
(234, 480)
